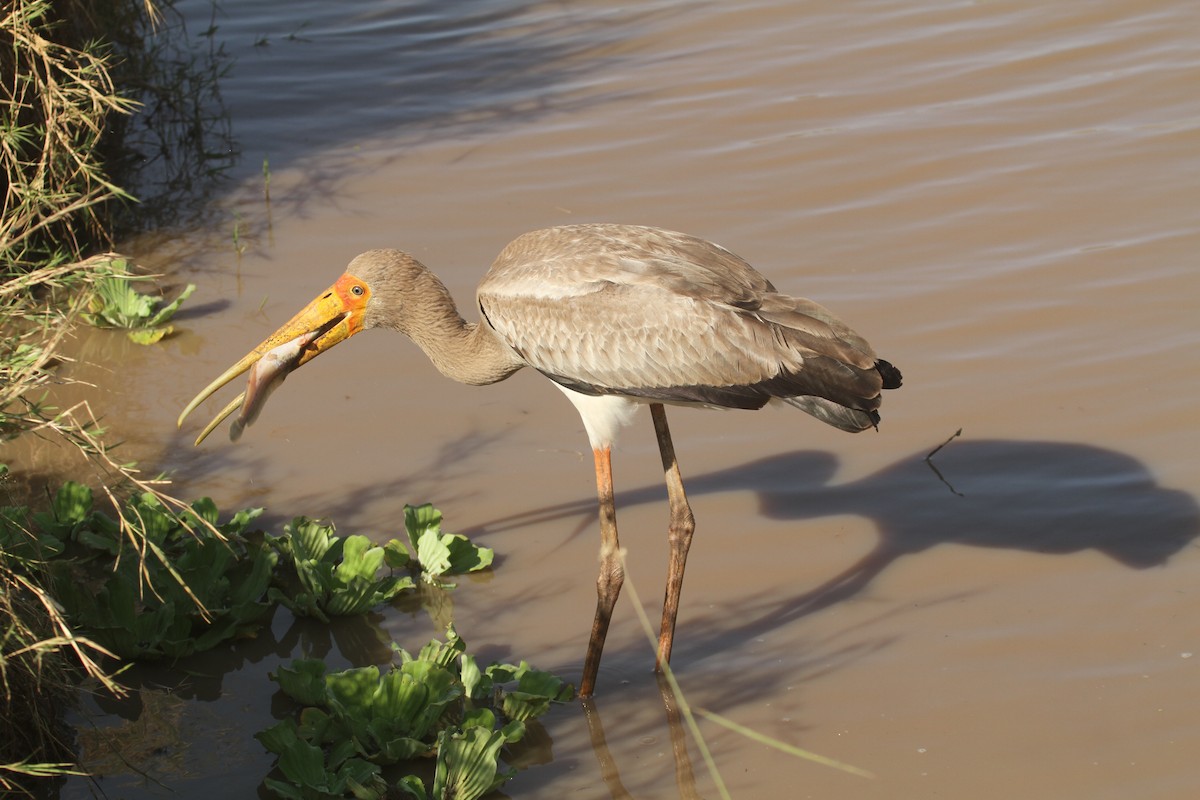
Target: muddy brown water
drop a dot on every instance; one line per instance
(1002, 197)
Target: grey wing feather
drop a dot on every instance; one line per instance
(643, 312)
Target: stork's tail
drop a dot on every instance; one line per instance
(844, 417)
(891, 376)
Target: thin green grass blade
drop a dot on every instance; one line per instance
(709, 762)
(808, 755)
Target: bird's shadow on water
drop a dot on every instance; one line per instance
(1051, 498)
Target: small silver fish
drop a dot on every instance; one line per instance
(265, 376)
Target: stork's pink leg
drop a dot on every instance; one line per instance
(612, 574)
(679, 533)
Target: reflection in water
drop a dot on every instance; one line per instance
(359, 639)
(181, 141)
(182, 727)
(437, 71)
(608, 765)
(436, 601)
(176, 725)
(1051, 498)
(685, 779)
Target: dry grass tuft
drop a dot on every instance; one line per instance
(58, 105)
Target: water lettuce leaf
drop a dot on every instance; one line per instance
(338, 577)
(115, 304)
(431, 552)
(436, 702)
(468, 759)
(193, 587)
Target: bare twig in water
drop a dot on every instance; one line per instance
(938, 472)
(953, 436)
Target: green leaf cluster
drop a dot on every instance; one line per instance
(337, 577)
(154, 583)
(434, 554)
(115, 304)
(438, 703)
(189, 584)
(308, 775)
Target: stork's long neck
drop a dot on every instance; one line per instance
(468, 352)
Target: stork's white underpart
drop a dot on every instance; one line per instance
(603, 415)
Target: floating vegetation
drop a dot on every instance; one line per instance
(435, 554)
(186, 585)
(187, 582)
(436, 704)
(338, 576)
(115, 304)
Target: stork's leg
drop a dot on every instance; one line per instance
(612, 574)
(679, 534)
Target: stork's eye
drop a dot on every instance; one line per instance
(357, 290)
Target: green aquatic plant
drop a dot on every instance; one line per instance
(468, 759)
(115, 304)
(434, 554)
(188, 584)
(437, 703)
(154, 583)
(533, 693)
(337, 576)
(309, 775)
(70, 509)
(202, 583)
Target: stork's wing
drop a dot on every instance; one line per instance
(649, 313)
